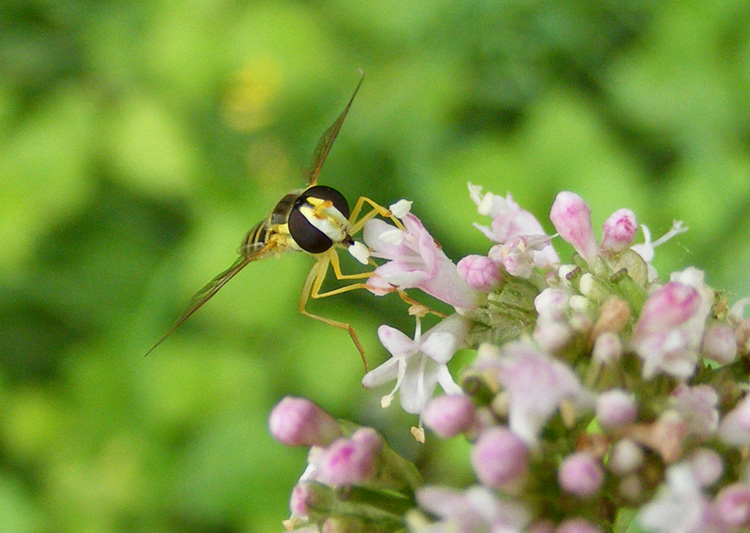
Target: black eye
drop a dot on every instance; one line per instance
(307, 236)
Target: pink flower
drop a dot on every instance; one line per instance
(733, 505)
(571, 217)
(475, 509)
(520, 254)
(619, 230)
(698, 407)
(415, 260)
(418, 365)
(668, 333)
(509, 221)
(536, 384)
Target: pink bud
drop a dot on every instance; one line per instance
(733, 504)
(500, 458)
(571, 217)
(619, 230)
(299, 422)
(449, 414)
(580, 474)
(479, 272)
(298, 503)
(616, 408)
(350, 461)
(719, 344)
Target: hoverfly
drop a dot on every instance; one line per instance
(315, 220)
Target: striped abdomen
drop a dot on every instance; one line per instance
(264, 230)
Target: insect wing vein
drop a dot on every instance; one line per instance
(326, 141)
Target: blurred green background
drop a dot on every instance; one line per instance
(140, 141)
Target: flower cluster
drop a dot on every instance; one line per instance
(599, 396)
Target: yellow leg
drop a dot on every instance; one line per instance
(377, 209)
(312, 287)
(416, 307)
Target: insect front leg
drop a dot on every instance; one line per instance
(377, 209)
(312, 286)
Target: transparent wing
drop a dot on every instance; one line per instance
(213, 286)
(326, 141)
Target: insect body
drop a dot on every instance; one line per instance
(315, 220)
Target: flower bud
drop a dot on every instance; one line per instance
(626, 457)
(592, 288)
(500, 458)
(571, 217)
(580, 474)
(552, 335)
(733, 505)
(350, 461)
(616, 408)
(299, 422)
(719, 344)
(706, 465)
(552, 303)
(479, 272)
(449, 414)
(619, 230)
(607, 348)
(298, 503)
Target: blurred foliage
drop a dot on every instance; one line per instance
(139, 141)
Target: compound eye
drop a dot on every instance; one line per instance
(323, 192)
(307, 236)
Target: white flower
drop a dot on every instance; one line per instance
(536, 383)
(680, 506)
(510, 221)
(419, 364)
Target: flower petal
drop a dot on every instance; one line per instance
(395, 341)
(386, 372)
